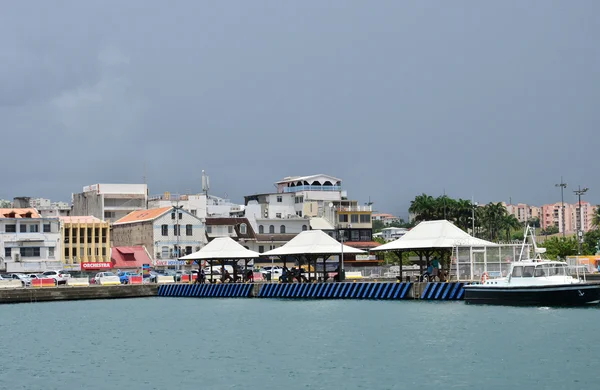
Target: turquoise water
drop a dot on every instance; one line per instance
(183, 343)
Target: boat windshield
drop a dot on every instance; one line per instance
(528, 271)
(517, 271)
(557, 269)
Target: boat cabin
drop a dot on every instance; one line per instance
(536, 270)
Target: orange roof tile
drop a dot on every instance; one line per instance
(19, 213)
(80, 219)
(142, 215)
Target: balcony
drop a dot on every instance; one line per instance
(354, 208)
(312, 188)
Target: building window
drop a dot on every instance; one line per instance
(34, 228)
(51, 252)
(304, 228)
(243, 228)
(176, 230)
(230, 229)
(23, 228)
(282, 229)
(180, 215)
(261, 229)
(164, 230)
(47, 228)
(194, 212)
(164, 252)
(279, 198)
(354, 235)
(30, 252)
(271, 229)
(11, 228)
(172, 215)
(188, 230)
(299, 213)
(365, 218)
(103, 251)
(365, 235)
(353, 218)
(188, 250)
(209, 229)
(261, 248)
(277, 215)
(343, 217)
(7, 253)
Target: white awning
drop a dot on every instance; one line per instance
(222, 248)
(314, 242)
(434, 234)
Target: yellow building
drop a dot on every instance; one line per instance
(85, 240)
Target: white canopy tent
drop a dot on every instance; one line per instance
(313, 244)
(470, 256)
(224, 248)
(434, 235)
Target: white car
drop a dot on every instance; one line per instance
(277, 272)
(60, 277)
(103, 278)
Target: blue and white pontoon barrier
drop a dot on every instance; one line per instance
(336, 290)
(234, 290)
(443, 291)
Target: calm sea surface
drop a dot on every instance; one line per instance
(179, 343)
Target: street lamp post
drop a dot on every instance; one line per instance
(272, 261)
(473, 205)
(580, 191)
(341, 271)
(562, 186)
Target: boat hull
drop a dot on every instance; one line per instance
(553, 295)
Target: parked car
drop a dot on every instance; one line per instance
(22, 277)
(124, 276)
(60, 277)
(277, 272)
(100, 275)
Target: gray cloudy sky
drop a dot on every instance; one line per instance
(490, 99)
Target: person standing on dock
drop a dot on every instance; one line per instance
(435, 272)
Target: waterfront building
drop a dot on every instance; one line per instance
(167, 232)
(393, 233)
(552, 215)
(386, 218)
(85, 239)
(301, 203)
(523, 212)
(110, 202)
(201, 205)
(45, 207)
(28, 242)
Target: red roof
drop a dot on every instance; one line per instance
(129, 257)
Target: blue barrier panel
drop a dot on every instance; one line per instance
(303, 290)
(173, 292)
(355, 290)
(187, 290)
(366, 290)
(272, 290)
(179, 291)
(347, 290)
(287, 290)
(237, 289)
(345, 287)
(209, 290)
(320, 290)
(249, 288)
(268, 290)
(218, 290)
(284, 289)
(159, 291)
(440, 289)
(359, 290)
(296, 290)
(372, 290)
(425, 290)
(330, 290)
(315, 288)
(454, 291)
(261, 291)
(447, 289)
(226, 288)
(432, 290)
(192, 290)
(198, 290)
(336, 290)
(393, 288)
(231, 290)
(326, 287)
(379, 288)
(386, 287)
(290, 290)
(406, 290)
(397, 290)
(461, 291)
(279, 289)
(311, 290)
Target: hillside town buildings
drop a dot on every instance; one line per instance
(110, 201)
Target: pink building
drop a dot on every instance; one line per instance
(552, 216)
(523, 212)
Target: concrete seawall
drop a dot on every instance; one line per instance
(21, 295)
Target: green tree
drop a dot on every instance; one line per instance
(596, 218)
(591, 242)
(424, 208)
(552, 229)
(561, 247)
(509, 224)
(494, 218)
(378, 226)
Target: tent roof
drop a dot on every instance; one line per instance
(434, 234)
(222, 248)
(314, 242)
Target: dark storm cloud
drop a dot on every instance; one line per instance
(485, 99)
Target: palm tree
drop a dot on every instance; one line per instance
(493, 218)
(510, 223)
(596, 217)
(423, 207)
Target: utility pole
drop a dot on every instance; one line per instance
(580, 192)
(562, 186)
